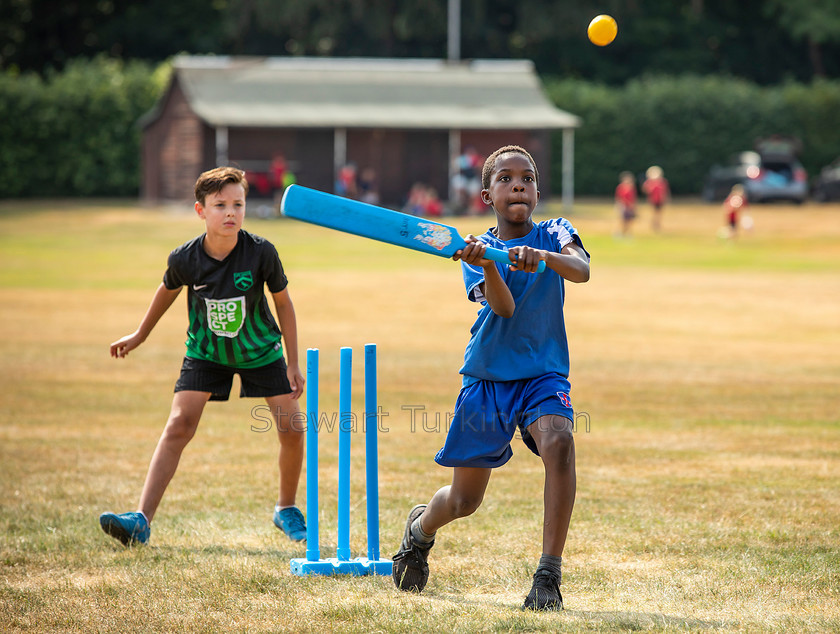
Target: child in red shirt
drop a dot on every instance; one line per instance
(656, 188)
(625, 201)
(735, 202)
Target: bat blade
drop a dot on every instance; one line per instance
(377, 223)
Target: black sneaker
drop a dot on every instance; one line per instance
(545, 593)
(410, 571)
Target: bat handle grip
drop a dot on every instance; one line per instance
(500, 255)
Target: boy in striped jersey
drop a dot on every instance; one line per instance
(231, 331)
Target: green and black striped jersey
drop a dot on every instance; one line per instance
(230, 321)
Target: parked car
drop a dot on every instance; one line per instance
(827, 184)
(771, 173)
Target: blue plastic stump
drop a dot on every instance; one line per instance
(371, 453)
(345, 423)
(313, 550)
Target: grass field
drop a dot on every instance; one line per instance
(706, 374)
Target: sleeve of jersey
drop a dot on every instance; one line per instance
(275, 277)
(172, 277)
(473, 277)
(565, 234)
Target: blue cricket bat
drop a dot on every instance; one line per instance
(378, 223)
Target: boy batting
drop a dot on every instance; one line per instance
(515, 374)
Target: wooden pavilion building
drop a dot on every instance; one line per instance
(407, 119)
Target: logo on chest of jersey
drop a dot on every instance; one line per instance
(243, 281)
(225, 316)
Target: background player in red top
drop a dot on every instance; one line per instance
(734, 204)
(625, 201)
(657, 191)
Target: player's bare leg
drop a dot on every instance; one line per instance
(459, 499)
(135, 527)
(291, 429)
(187, 407)
(292, 433)
(555, 442)
(656, 221)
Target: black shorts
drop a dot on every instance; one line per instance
(205, 376)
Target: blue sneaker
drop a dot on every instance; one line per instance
(129, 528)
(290, 521)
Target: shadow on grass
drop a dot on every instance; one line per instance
(640, 621)
(169, 551)
(601, 621)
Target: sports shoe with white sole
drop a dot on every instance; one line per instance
(129, 528)
(545, 592)
(290, 521)
(410, 570)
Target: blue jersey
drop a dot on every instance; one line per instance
(532, 342)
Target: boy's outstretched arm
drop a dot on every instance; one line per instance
(288, 326)
(494, 289)
(161, 302)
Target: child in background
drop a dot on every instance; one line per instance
(657, 191)
(415, 204)
(346, 184)
(625, 201)
(466, 182)
(433, 206)
(368, 187)
(734, 204)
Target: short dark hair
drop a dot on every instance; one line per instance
(490, 163)
(213, 181)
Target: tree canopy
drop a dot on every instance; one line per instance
(766, 41)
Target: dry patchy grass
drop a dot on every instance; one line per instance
(707, 457)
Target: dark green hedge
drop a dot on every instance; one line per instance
(74, 133)
(687, 124)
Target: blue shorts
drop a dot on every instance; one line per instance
(488, 413)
